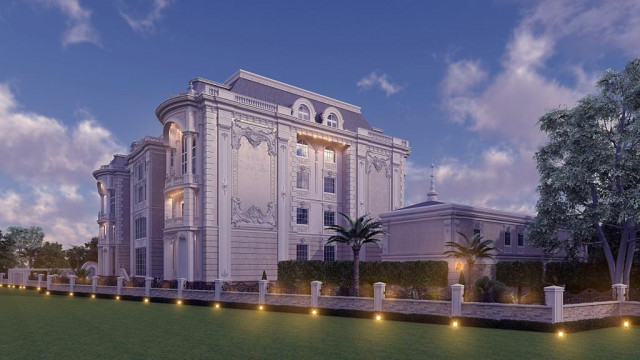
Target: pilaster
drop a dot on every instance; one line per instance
(224, 194)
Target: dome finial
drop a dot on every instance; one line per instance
(432, 195)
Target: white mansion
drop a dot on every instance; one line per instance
(246, 173)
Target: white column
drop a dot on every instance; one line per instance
(224, 194)
(119, 285)
(40, 276)
(181, 283)
(190, 257)
(102, 203)
(218, 290)
(147, 286)
(315, 292)
(378, 295)
(262, 291)
(1, 278)
(49, 279)
(284, 189)
(457, 290)
(554, 297)
(72, 282)
(94, 284)
(619, 291)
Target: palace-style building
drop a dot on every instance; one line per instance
(245, 174)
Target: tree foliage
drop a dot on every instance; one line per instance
(27, 242)
(471, 250)
(8, 257)
(50, 255)
(590, 173)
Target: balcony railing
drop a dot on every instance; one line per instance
(104, 216)
(172, 222)
(172, 180)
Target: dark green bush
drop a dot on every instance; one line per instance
(578, 276)
(340, 273)
(520, 273)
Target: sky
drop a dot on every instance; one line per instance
(463, 81)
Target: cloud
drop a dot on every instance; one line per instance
(45, 171)
(504, 107)
(79, 28)
(380, 81)
(146, 23)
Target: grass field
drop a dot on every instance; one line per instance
(57, 327)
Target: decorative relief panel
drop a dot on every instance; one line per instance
(253, 216)
(378, 162)
(254, 136)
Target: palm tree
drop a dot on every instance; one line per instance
(471, 250)
(81, 273)
(357, 233)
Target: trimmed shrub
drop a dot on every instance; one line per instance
(407, 273)
(578, 276)
(520, 274)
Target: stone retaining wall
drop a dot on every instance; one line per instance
(289, 300)
(631, 308)
(599, 310)
(345, 302)
(407, 306)
(507, 311)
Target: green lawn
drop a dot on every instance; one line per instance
(38, 326)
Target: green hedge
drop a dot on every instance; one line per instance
(520, 273)
(405, 273)
(578, 276)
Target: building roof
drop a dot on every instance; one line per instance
(244, 84)
(422, 204)
(119, 160)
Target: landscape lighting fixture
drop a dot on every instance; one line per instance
(378, 317)
(455, 323)
(179, 302)
(261, 307)
(146, 300)
(314, 312)
(217, 306)
(117, 297)
(93, 296)
(626, 324)
(560, 333)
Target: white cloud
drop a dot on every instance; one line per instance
(79, 28)
(380, 81)
(45, 171)
(504, 107)
(146, 23)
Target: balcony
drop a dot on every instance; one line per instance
(102, 217)
(173, 222)
(174, 180)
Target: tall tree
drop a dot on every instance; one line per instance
(92, 250)
(471, 250)
(357, 233)
(27, 242)
(8, 258)
(590, 173)
(76, 256)
(50, 255)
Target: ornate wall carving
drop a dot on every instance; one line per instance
(378, 162)
(254, 136)
(253, 216)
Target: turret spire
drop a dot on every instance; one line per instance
(432, 195)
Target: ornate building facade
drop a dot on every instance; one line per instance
(245, 174)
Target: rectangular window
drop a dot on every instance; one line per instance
(329, 218)
(184, 155)
(329, 253)
(521, 240)
(112, 202)
(507, 239)
(193, 157)
(476, 231)
(141, 261)
(302, 252)
(329, 185)
(302, 216)
(302, 180)
(142, 194)
(141, 227)
(172, 156)
(140, 172)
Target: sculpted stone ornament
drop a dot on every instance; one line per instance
(253, 216)
(255, 137)
(378, 163)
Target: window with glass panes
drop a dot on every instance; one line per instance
(329, 155)
(329, 253)
(112, 202)
(304, 113)
(329, 218)
(520, 240)
(329, 185)
(507, 238)
(302, 252)
(193, 157)
(302, 179)
(140, 227)
(184, 155)
(332, 121)
(141, 261)
(302, 216)
(302, 149)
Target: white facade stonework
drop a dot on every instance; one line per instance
(246, 173)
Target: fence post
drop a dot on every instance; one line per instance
(378, 295)
(49, 279)
(457, 291)
(1, 278)
(218, 290)
(619, 292)
(147, 286)
(315, 292)
(72, 282)
(94, 284)
(554, 297)
(39, 280)
(262, 291)
(119, 285)
(180, 287)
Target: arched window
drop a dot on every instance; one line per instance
(329, 155)
(304, 113)
(332, 121)
(302, 149)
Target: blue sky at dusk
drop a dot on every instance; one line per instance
(463, 81)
